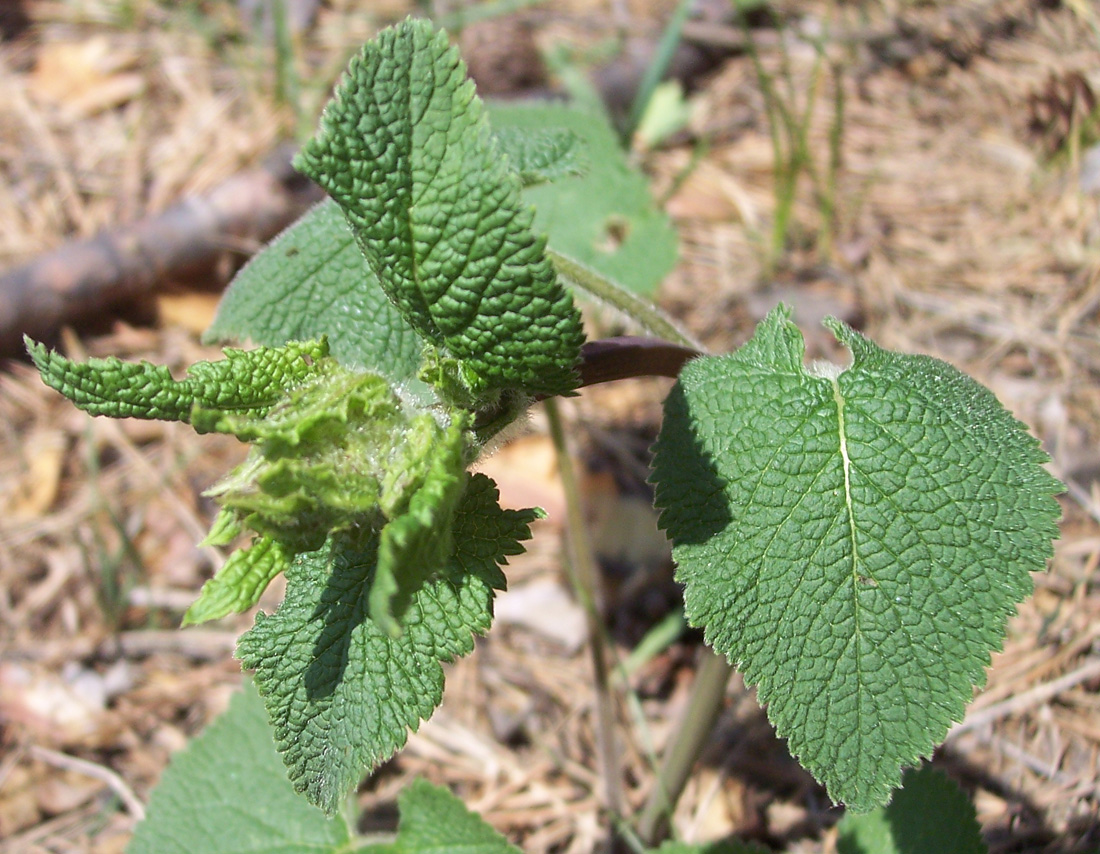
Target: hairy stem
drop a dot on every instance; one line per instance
(604, 361)
(650, 318)
(585, 578)
(620, 358)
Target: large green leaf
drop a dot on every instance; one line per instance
(604, 217)
(228, 793)
(340, 690)
(312, 281)
(854, 540)
(928, 814)
(433, 821)
(407, 152)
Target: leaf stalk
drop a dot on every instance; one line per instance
(650, 318)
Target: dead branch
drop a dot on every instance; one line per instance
(84, 281)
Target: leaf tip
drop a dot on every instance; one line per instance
(41, 355)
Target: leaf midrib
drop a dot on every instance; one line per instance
(847, 465)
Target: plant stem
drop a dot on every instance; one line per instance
(585, 578)
(658, 66)
(836, 148)
(707, 698)
(287, 81)
(773, 107)
(610, 359)
(644, 313)
(602, 361)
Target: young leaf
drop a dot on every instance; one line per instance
(407, 152)
(903, 825)
(668, 112)
(250, 381)
(604, 218)
(854, 540)
(227, 793)
(240, 583)
(338, 453)
(341, 692)
(417, 542)
(311, 281)
(224, 530)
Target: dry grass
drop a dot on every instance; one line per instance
(957, 235)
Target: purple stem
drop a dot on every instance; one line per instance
(610, 359)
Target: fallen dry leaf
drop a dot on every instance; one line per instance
(59, 709)
(546, 608)
(66, 791)
(191, 311)
(18, 803)
(526, 472)
(39, 477)
(712, 195)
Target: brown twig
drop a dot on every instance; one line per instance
(80, 282)
(97, 772)
(1028, 699)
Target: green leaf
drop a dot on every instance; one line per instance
(224, 530)
(407, 152)
(249, 381)
(542, 154)
(227, 793)
(667, 112)
(340, 690)
(853, 540)
(419, 540)
(604, 218)
(929, 813)
(239, 584)
(312, 280)
(433, 821)
(339, 453)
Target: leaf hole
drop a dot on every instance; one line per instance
(616, 230)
